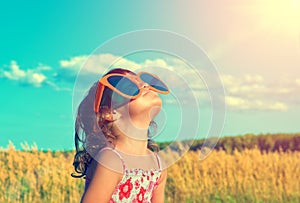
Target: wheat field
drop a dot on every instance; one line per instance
(246, 176)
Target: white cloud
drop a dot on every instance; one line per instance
(15, 73)
(230, 80)
(96, 63)
(237, 103)
(30, 76)
(254, 92)
(43, 67)
(253, 78)
(35, 78)
(93, 64)
(74, 62)
(156, 63)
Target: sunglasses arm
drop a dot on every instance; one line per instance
(98, 97)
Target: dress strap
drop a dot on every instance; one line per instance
(117, 153)
(158, 161)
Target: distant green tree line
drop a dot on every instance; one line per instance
(264, 142)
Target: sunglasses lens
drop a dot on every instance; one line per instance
(154, 82)
(124, 85)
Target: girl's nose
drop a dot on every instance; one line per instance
(145, 85)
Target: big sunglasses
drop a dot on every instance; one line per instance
(128, 87)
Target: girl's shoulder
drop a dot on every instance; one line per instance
(110, 159)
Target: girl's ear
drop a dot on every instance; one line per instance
(116, 115)
(108, 115)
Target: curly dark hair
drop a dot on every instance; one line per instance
(93, 131)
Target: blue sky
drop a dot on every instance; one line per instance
(43, 45)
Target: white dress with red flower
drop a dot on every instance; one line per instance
(137, 185)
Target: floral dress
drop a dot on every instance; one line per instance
(137, 185)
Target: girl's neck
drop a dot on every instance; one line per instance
(129, 129)
(132, 135)
(131, 146)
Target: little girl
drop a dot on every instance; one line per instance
(117, 157)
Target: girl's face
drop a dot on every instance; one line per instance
(149, 101)
(146, 106)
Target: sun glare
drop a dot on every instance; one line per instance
(280, 15)
(295, 5)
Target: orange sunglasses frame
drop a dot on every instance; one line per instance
(103, 82)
